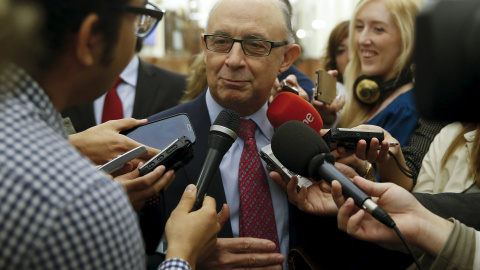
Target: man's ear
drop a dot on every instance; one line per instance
(88, 42)
(204, 46)
(292, 51)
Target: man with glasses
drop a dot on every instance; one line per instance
(57, 210)
(246, 44)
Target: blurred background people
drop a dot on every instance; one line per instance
(335, 58)
(58, 211)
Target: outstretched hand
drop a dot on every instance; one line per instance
(420, 227)
(104, 142)
(192, 235)
(317, 199)
(140, 188)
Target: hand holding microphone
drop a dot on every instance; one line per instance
(303, 151)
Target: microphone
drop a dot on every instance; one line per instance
(287, 107)
(223, 133)
(303, 151)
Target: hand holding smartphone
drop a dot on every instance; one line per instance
(325, 87)
(273, 164)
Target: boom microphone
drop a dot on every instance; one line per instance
(303, 151)
(223, 133)
(287, 107)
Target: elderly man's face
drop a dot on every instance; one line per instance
(239, 82)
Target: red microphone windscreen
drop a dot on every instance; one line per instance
(287, 107)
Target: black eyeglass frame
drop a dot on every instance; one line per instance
(156, 13)
(272, 43)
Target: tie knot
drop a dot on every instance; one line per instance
(117, 82)
(246, 129)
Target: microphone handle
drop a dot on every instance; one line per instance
(328, 172)
(209, 168)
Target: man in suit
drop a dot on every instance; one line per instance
(145, 89)
(239, 78)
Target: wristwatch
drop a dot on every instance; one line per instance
(369, 172)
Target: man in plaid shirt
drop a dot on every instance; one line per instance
(57, 211)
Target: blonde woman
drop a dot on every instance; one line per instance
(380, 45)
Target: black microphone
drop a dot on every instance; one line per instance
(223, 133)
(303, 151)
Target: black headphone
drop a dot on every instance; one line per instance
(370, 90)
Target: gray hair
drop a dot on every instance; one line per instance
(286, 10)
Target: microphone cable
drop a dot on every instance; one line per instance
(407, 245)
(381, 215)
(404, 170)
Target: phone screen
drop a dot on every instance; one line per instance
(159, 134)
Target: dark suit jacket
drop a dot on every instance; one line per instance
(157, 90)
(302, 226)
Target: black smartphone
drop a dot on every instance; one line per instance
(159, 134)
(273, 164)
(349, 137)
(173, 156)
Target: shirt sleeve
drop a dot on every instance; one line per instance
(95, 229)
(174, 264)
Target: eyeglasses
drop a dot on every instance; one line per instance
(149, 17)
(251, 47)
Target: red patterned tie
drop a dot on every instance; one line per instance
(112, 106)
(257, 218)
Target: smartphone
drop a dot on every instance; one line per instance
(159, 134)
(118, 162)
(173, 156)
(274, 165)
(325, 87)
(349, 137)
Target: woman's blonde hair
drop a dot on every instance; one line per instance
(404, 14)
(459, 141)
(197, 79)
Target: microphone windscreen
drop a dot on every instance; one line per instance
(229, 119)
(294, 144)
(288, 106)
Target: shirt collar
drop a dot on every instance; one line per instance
(259, 117)
(130, 74)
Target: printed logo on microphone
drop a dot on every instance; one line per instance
(309, 119)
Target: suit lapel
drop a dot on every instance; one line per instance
(143, 97)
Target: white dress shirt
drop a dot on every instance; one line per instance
(125, 90)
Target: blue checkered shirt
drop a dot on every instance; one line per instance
(174, 264)
(56, 210)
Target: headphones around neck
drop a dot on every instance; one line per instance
(371, 90)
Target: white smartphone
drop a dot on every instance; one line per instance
(118, 162)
